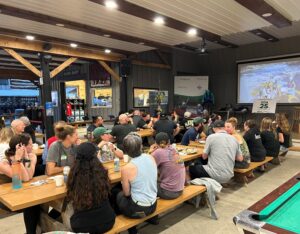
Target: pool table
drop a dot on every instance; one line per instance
(278, 212)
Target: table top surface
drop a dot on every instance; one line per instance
(30, 195)
(146, 132)
(196, 144)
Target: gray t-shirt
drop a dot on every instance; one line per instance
(60, 155)
(222, 149)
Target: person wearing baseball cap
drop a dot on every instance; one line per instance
(167, 126)
(220, 150)
(192, 133)
(107, 150)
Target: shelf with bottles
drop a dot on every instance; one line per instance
(75, 110)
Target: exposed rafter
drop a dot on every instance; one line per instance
(109, 70)
(62, 66)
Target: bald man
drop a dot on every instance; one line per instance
(119, 132)
(17, 126)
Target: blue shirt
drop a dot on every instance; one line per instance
(189, 135)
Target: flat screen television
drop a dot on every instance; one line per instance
(277, 79)
(141, 97)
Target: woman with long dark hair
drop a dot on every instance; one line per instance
(88, 190)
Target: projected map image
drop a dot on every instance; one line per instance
(275, 80)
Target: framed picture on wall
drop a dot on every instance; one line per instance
(102, 97)
(141, 97)
(71, 92)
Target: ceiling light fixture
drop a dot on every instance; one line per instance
(192, 32)
(258, 33)
(142, 43)
(73, 45)
(159, 20)
(265, 15)
(60, 25)
(110, 4)
(106, 35)
(30, 37)
(107, 51)
(270, 39)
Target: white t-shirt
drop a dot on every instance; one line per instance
(3, 148)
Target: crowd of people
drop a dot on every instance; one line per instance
(158, 173)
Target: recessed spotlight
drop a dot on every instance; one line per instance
(265, 15)
(159, 20)
(192, 32)
(142, 43)
(73, 45)
(106, 35)
(258, 33)
(60, 25)
(270, 39)
(107, 51)
(30, 37)
(110, 4)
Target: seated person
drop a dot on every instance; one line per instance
(136, 117)
(145, 122)
(221, 150)
(29, 128)
(19, 154)
(97, 122)
(107, 150)
(269, 138)
(253, 140)
(6, 134)
(62, 152)
(119, 132)
(209, 128)
(88, 208)
(192, 133)
(230, 127)
(283, 131)
(171, 168)
(139, 181)
(167, 126)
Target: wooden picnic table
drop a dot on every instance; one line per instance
(146, 132)
(29, 195)
(196, 144)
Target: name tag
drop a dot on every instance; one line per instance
(64, 157)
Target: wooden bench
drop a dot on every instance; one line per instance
(242, 174)
(123, 223)
(294, 148)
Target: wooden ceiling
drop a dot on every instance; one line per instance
(130, 29)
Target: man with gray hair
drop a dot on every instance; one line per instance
(119, 132)
(139, 181)
(28, 128)
(17, 126)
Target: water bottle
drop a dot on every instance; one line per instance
(16, 176)
(116, 164)
(66, 171)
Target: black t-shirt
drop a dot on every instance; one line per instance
(286, 137)
(167, 126)
(270, 143)
(141, 123)
(120, 132)
(136, 119)
(30, 130)
(256, 148)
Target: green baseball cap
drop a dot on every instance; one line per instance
(100, 131)
(198, 120)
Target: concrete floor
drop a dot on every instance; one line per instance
(187, 219)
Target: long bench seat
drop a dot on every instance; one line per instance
(123, 223)
(242, 174)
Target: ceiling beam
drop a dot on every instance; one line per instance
(147, 64)
(23, 61)
(147, 14)
(264, 35)
(161, 57)
(261, 7)
(47, 19)
(17, 74)
(56, 40)
(22, 44)
(110, 71)
(62, 66)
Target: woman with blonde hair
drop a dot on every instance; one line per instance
(230, 127)
(283, 131)
(269, 138)
(5, 135)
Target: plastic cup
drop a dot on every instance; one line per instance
(35, 146)
(126, 158)
(59, 180)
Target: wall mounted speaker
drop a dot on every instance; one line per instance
(125, 67)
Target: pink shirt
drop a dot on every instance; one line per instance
(171, 170)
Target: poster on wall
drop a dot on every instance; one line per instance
(71, 92)
(102, 97)
(264, 106)
(188, 92)
(54, 98)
